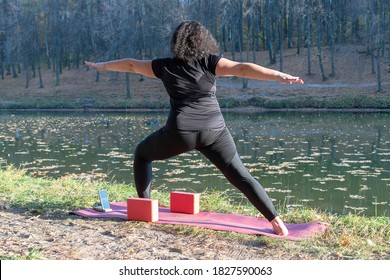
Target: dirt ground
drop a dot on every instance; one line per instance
(62, 236)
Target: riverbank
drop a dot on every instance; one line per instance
(353, 87)
(279, 98)
(36, 224)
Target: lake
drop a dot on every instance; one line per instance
(338, 162)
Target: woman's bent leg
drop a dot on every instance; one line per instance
(142, 176)
(159, 145)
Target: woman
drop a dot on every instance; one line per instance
(195, 120)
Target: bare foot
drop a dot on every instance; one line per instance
(279, 227)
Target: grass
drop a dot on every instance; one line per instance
(347, 101)
(60, 104)
(348, 237)
(33, 254)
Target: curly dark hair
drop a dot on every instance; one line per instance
(191, 41)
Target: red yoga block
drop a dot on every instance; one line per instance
(142, 209)
(183, 202)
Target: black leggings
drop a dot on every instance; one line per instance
(217, 145)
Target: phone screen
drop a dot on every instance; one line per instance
(104, 199)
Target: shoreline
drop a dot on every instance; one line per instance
(235, 109)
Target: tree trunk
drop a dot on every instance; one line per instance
(57, 42)
(372, 34)
(27, 77)
(224, 39)
(274, 39)
(382, 26)
(128, 90)
(47, 43)
(14, 73)
(319, 46)
(141, 6)
(388, 69)
(57, 72)
(281, 37)
(244, 81)
(233, 40)
(378, 63)
(331, 22)
(290, 29)
(372, 61)
(40, 75)
(268, 31)
(33, 68)
(299, 27)
(339, 8)
(308, 37)
(255, 37)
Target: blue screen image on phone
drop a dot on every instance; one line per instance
(104, 199)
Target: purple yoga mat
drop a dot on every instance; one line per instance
(216, 221)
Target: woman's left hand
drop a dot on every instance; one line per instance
(96, 65)
(288, 79)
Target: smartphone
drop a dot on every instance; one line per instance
(104, 203)
(104, 199)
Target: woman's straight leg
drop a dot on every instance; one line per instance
(222, 152)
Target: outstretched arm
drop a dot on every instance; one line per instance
(226, 67)
(143, 67)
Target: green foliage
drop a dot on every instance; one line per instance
(33, 254)
(319, 102)
(44, 194)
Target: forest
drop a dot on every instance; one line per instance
(61, 34)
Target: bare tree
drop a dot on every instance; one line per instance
(3, 19)
(63, 33)
(329, 4)
(320, 31)
(308, 34)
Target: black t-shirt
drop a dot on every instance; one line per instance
(191, 87)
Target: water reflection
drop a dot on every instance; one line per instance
(337, 161)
